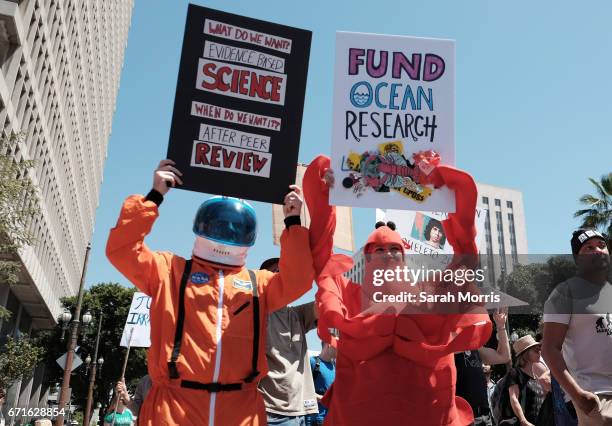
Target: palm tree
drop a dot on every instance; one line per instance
(598, 213)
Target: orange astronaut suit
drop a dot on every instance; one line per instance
(392, 369)
(211, 378)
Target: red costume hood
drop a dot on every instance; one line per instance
(383, 235)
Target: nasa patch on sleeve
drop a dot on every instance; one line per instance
(200, 278)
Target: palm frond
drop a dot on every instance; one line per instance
(590, 200)
(599, 212)
(601, 192)
(606, 183)
(584, 212)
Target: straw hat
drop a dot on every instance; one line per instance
(524, 343)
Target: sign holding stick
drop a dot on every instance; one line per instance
(394, 96)
(238, 107)
(125, 361)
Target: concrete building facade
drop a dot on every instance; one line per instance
(505, 228)
(60, 64)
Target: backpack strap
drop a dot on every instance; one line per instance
(180, 322)
(256, 329)
(522, 389)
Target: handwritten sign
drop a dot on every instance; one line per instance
(139, 320)
(393, 97)
(238, 107)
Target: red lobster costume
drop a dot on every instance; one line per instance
(392, 369)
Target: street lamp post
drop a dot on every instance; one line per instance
(72, 341)
(87, 362)
(64, 319)
(92, 376)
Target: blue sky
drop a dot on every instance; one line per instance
(532, 105)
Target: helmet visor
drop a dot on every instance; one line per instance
(227, 221)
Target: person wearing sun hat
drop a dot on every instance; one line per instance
(577, 343)
(526, 393)
(523, 344)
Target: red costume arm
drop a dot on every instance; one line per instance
(322, 215)
(321, 230)
(459, 228)
(295, 274)
(338, 300)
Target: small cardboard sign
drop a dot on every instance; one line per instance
(138, 320)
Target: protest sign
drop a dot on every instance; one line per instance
(238, 107)
(423, 233)
(343, 235)
(138, 322)
(394, 96)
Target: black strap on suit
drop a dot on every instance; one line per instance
(178, 338)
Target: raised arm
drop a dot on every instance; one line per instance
(125, 247)
(296, 272)
(322, 215)
(502, 354)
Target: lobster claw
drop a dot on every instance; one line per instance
(426, 161)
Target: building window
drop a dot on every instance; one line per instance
(512, 238)
(509, 204)
(500, 240)
(497, 202)
(485, 200)
(489, 243)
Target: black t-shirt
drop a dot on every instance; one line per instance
(534, 394)
(471, 381)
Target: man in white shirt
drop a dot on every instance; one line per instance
(577, 344)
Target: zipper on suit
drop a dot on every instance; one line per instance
(213, 395)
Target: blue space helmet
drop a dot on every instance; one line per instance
(226, 220)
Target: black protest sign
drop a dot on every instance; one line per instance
(238, 107)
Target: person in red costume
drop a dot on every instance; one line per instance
(392, 369)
